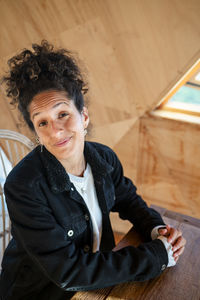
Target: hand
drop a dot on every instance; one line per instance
(175, 238)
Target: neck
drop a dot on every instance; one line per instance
(76, 167)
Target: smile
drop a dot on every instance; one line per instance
(63, 142)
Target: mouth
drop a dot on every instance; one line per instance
(62, 142)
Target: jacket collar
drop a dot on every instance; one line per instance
(56, 174)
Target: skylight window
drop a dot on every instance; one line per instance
(184, 97)
(197, 77)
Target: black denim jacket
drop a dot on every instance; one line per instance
(52, 230)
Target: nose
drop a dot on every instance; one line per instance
(56, 127)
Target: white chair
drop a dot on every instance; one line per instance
(13, 147)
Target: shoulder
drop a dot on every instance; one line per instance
(103, 151)
(27, 170)
(100, 148)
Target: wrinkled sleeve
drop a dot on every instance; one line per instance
(130, 205)
(44, 240)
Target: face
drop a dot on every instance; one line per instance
(58, 124)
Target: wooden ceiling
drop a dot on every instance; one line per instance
(133, 51)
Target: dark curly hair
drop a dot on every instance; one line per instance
(44, 68)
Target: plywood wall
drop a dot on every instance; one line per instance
(134, 52)
(169, 164)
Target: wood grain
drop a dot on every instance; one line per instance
(168, 171)
(179, 282)
(134, 52)
(100, 295)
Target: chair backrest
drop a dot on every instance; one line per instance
(13, 147)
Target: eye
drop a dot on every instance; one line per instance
(62, 115)
(41, 124)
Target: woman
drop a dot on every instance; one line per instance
(60, 195)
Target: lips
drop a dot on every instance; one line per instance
(62, 142)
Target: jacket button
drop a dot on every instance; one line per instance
(87, 218)
(70, 233)
(72, 189)
(163, 267)
(86, 248)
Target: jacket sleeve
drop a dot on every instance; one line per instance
(44, 240)
(130, 205)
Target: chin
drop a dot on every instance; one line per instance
(63, 153)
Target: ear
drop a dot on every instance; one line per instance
(85, 117)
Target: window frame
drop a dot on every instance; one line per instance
(189, 75)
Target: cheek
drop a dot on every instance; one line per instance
(43, 136)
(75, 124)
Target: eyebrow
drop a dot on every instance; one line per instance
(56, 105)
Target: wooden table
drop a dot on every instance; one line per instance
(181, 282)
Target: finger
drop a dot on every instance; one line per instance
(180, 242)
(168, 228)
(179, 252)
(164, 230)
(176, 259)
(174, 234)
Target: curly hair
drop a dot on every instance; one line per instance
(44, 68)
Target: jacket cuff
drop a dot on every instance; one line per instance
(161, 254)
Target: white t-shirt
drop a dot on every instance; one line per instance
(86, 188)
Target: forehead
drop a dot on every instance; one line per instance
(47, 100)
